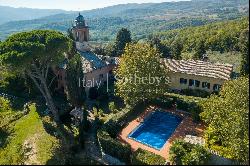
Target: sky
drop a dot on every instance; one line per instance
(71, 4)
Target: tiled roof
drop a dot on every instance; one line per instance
(91, 61)
(199, 68)
(110, 60)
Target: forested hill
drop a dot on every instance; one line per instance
(140, 19)
(222, 36)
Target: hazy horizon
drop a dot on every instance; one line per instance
(73, 5)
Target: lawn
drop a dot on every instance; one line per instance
(27, 141)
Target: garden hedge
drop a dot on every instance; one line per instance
(189, 104)
(113, 147)
(143, 157)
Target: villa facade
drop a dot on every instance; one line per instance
(191, 74)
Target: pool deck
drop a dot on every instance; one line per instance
(186, 127)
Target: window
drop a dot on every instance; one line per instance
(183, 81)
(216, 87)
(206, 85)
(191, 82)
(77, 36)
(197, 83)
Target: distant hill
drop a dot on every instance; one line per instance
(141, 19)
(17, 14)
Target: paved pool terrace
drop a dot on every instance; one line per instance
(185, 127)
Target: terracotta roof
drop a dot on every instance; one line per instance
(199, 68)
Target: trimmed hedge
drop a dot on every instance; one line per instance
(195, 92)
(143, 157)
(113, 147)
(189, 104)
(119, 120)
(163, 102)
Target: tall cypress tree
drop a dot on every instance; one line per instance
(200, 50)
(75, 90)
(123, 37)
(244, 48)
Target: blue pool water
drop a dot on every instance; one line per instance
(156, 129)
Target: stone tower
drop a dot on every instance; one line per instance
(80, 33)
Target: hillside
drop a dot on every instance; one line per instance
(17, 14)
(141, 19)
(221, 41)
(221, 36)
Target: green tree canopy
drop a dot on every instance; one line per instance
(75, 90)
(176, 49)
(200, 50)
(140, 74)
(123, 37)
(163, 49)
(244, 48)
(228, 120)
(33, 53)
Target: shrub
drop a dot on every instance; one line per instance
(82, 160)
(197, 156)
(112, 107)
(49, 125)
(8, 113)
(143, 157)
(195, 92)
(103, 95)
(113, 147)
(188, 103)
(4, 104)
(195, 111)
(183, 153)
(93, 93)
(112, 128)
(163, 102)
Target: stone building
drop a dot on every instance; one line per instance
(97, 69)
(191, 74)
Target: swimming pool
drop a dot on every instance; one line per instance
(156, 129)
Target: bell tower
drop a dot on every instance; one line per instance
(80, 33)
